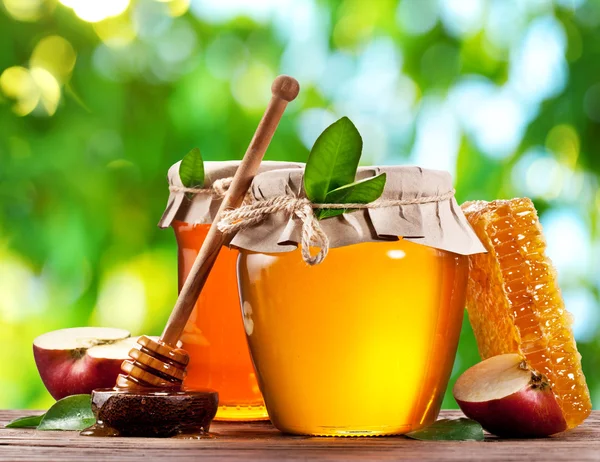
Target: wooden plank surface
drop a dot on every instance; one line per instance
(260, 441)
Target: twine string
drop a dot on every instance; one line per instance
(312, 233)
(217, 189)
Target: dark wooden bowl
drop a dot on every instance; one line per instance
(153, 413)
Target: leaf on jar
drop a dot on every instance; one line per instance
(333, 160)
(359, 192)
(191, 169)
(329, 176)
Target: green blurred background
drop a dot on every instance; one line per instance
(98, 99)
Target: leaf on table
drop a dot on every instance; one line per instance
(449, 430)
(333, 160)
(71, 413)
(359, 192)
(191, 169)
(25, 422)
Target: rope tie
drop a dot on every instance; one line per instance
(217, 189)
(312, 234)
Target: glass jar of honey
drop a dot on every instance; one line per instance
(364, 342)
(214, 335)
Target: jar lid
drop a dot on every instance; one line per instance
(200, 205)
(417, 204)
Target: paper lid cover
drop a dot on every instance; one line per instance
(203, 206)
(439, 224)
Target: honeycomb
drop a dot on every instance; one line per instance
(514, 302)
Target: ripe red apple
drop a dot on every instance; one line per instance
(78, 360)
(509, 399)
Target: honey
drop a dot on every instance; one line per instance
(214, 336)
(514, 302)
(362, 344)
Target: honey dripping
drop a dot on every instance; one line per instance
(514, 302)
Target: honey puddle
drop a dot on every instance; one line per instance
(103, 431)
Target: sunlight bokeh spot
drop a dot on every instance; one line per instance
(568, 239)
(251, 86)
(94, 11)
(25, 10)
(30, 300)
(177, 7)
(544, 174)
(582, 306)
(151, 20)
(462, 17)
(116, 31)
(17, 84)
(350, 30)
(48, 90)
(538, 69)
(437, 136)
(570, 4)
(545, 178)
(311, 123)
(122, 301)
(500, 124)
(539, 175)
(224, 54)
(564, 142)
(137, 294)
(226, 10)
(56, 55)
(589, 14)
(505, 22)
(178, 45)
(492, 116)
(417, 17)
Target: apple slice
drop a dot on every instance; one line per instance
(509, 399)
(78, 360)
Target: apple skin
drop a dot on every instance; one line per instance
(527, 413)
(509, 399)
(72, 372)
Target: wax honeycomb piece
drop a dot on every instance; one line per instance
(514, 302)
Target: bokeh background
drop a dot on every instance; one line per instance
(99, 97)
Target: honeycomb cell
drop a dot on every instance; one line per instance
(514, 302)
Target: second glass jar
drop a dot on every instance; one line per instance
(214, 335)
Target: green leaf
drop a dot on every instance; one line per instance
(449, 430)
(333, 160)
(24, 422)
(359, 192)
(191, 169)
(70, 413)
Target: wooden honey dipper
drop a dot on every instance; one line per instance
(161, 364)
(154, 374)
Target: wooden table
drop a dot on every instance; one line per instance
(260, 441)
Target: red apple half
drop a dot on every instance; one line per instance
(509, 399)
(78, 360)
